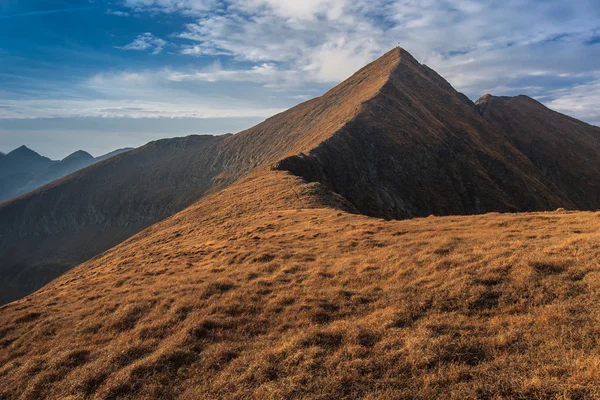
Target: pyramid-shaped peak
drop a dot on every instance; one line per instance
(396, 65)
(401, 54)
(388, 61)
(22, 150)
(374, 75)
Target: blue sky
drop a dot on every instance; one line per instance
(99, 75)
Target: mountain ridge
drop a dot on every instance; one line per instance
(58, 238)
(416, 138)
(395, 140)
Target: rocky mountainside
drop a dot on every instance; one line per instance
(418, 147)
(394, 141)
(25, 170)
(566, 151)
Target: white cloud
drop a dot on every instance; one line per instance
(301, 10)
(160, 93)
(580, 101)
(54, 108)
(329, 39)
(271, 47)
(189, 7)
(263, 73)
(118, 13)
(515, 46)
(339, 58)
(146, 41)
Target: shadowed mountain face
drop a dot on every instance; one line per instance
(16, 169)
(566, 151)
(394, 141)
(418, 147)
(25, 170)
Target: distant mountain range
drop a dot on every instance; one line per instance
(23, 170)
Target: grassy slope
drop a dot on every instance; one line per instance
(68, 221)
(259, 291)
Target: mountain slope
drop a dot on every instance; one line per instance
(565, 150)
(395, 140)
(267, 290)
(23, 160)
(73, 162)
(58, 226)
(113, 153)
(47, 231)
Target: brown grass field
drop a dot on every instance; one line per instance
(266, 291)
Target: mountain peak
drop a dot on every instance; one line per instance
(389, 61)
(486, 98)
(483, 103)
(23, 150)
(398, 53)
(79, 155)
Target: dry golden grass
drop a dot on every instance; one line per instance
(259, 291)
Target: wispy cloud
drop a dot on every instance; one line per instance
(147, 108)
(44, 12)
(146, 41)
(163, 93)
(265, 73)
(329, 39)
(188, 7)
(118, 13)
(516, 46)
(581, 101)
(228, 54)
